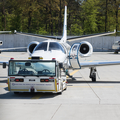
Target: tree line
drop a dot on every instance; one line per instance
(46, 16)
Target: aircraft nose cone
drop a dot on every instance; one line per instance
(49, 55)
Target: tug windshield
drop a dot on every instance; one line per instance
(32, 68)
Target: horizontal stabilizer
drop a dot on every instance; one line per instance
(89, 36)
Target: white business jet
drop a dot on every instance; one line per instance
(68, 55)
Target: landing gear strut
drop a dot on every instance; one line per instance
(93, 74)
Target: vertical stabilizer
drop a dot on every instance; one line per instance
(64, 37)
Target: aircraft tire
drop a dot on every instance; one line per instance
(94, 77)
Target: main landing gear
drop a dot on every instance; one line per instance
(93, 74)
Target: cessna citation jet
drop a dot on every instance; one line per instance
(69, 56)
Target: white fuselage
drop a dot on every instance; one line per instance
(52, 49)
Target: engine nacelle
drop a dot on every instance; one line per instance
(82, 49)
(31, 46)
(1, 42)
(85, 49)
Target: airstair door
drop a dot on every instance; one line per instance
(74, 57)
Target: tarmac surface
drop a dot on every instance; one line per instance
(83, 99)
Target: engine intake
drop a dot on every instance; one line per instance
(85, 49)
(1, 42)
(31, 46)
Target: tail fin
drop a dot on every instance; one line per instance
(64, 37)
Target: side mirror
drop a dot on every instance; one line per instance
(60, 65)
(4, 65)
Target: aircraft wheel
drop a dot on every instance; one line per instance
(94, 77)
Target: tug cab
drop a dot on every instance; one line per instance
(36, 76)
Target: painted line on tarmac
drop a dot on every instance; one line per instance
(12, 56)
(5, 56)
(72, 73)
(37, 96)
(93, 86)
(3, 86)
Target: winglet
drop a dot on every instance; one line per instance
(64, 37)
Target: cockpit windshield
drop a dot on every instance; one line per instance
(52, 46)
(42, 46)
(56, 46)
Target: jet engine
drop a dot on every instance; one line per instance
(1, 42)
(31, 46)
(85, 49)
(82, 49)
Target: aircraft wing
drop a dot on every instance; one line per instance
(98, 63)
(2, 62)
(1, 49)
